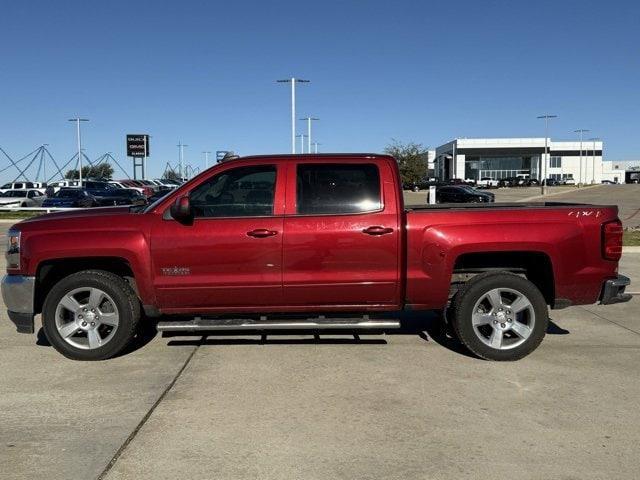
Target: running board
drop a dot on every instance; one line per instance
(316, 323)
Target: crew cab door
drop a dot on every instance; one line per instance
(342, 234)
(230, 255)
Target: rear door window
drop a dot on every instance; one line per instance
(325, 189)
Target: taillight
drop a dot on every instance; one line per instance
(612, 240)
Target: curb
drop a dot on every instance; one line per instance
(630, 249)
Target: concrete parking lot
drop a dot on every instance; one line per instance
(627, 197)
(396, 405)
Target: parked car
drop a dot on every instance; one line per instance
(119, 184)
(169, 182)
(551, 182)
(462, 194)
(488, 182)
(118, 196)
(148, 183)
(164, 184)
(22, 186)
(609, 182)
(138, 185)
(569, 181)
(22, 198)
(97, 185)
(456, 181)
(507, 182)
(62, 184)
(158, 195)
(339, 248)
(71, 198)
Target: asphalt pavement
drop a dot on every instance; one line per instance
(397, 405)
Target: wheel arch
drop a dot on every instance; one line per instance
(536, 266)
(49, 272)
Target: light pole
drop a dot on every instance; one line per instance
(308, 120)
(581, 131)
(302, 137)
(144, 158)
(593, 160)
(293, 82)
(181, 152)
(78, 120)
(315, 147)
(206, 159)
(543, 172)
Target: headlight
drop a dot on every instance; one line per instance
(13, 249)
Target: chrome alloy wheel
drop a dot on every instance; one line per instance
(87, 318)
(503, 318)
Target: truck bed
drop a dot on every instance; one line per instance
(440, 237)
(494, 206)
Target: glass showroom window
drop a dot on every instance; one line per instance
(555, 162)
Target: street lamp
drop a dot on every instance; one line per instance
(181, 153)
(593, 159)
(543, 172)
(309, 119)
(581, 131)
(315, 147)
(206, 159)
(78, 120)
(302, 137)
(293, 82)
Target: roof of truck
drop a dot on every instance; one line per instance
(315, 155)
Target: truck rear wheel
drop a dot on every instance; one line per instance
(500, 316)
(90, 315)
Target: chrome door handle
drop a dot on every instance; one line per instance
(377, 230)
(262, 233)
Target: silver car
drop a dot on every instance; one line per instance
(22, 198)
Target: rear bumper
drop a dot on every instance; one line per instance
(18, 294)
(613, 291)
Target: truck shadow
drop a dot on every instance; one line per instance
(429, 326)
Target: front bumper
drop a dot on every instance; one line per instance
(613, 291)
(18, 294)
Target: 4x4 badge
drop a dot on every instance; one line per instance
(176, 271)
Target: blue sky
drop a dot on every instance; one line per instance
(204, 72)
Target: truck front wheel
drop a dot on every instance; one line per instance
(90, 315)
(500, 316)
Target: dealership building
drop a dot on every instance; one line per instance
(475, 158)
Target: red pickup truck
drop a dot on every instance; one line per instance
(308, 242)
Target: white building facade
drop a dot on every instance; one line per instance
(476, 158)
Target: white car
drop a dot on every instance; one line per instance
(569, 181)
(63, 184)
(487, 182)
(164, 183)
(22, 186)
(22, 198)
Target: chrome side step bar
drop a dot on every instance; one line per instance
(316, 323)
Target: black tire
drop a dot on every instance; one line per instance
(125, 299)
(473, 291)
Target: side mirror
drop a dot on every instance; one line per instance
(181, 209)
